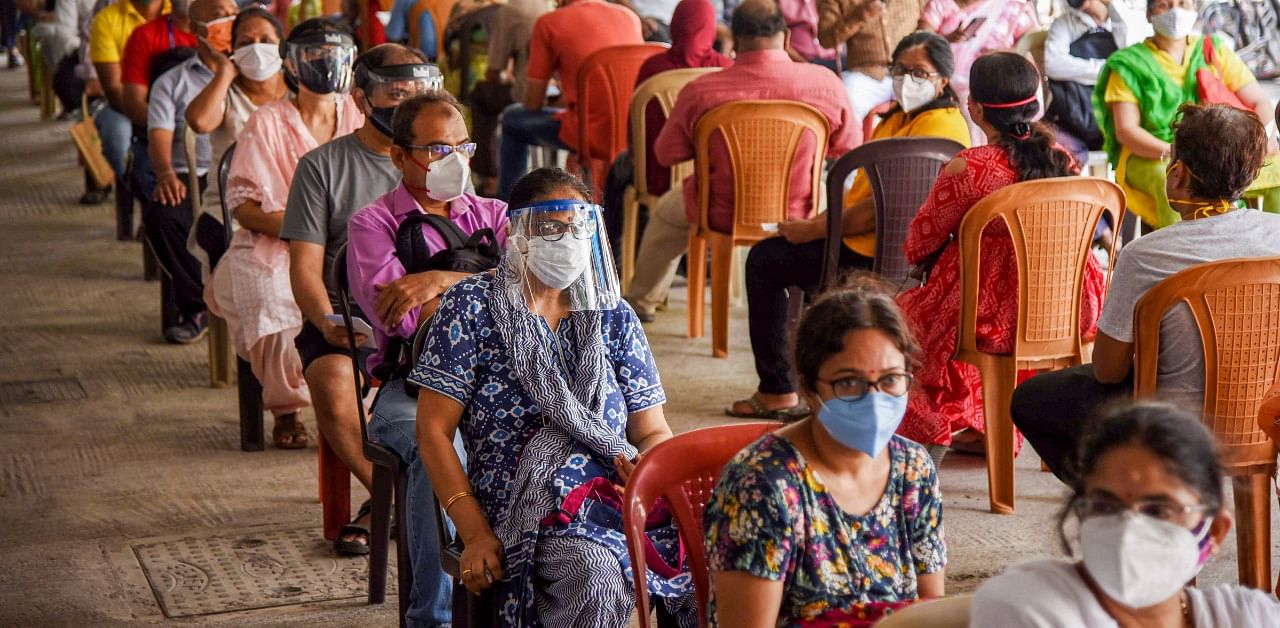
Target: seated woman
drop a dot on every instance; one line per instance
(1216, 151)
(926, 106)
(432, 149)
(549, 378)
(1138, 94)
(835, 519)
(1150, 509)
(250, 285)
(1004, 101)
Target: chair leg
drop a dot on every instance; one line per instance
(998, 380)
(220, 354)
(250, 392)
(721, 272)
(335, 491)
(380, 532)
(697, 266)
(1253, 529)
(404, 565)
(124, 212)
(630, 229)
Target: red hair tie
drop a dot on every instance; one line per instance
(1010, 105)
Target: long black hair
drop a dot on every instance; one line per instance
(999, 79)
(939, 52)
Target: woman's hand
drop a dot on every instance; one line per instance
(958, 35)
(625, 467)
(481, 562)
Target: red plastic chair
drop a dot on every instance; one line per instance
(606, 81)
(685, 470)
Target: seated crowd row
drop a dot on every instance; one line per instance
(536, 389)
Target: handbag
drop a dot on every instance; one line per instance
(85, 136)
(1210, 87)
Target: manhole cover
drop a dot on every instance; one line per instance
(259, 569)
(41, 390)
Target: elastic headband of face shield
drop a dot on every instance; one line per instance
(318, 38)
(322, 62)
(597, 287)
(425, 76)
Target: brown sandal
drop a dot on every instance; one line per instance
(289, 433)
(758, 411)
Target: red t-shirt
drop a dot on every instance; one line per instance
(144, 43)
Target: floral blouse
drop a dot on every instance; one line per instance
(772, 517)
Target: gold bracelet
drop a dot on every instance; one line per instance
(449, 502)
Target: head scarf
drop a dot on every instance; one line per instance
(693, 33)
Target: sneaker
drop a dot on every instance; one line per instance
(645, 316)
(188, 330)
(95, 196)
(15, 59)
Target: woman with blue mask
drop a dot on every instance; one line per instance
(833, 518)
(1149, 513)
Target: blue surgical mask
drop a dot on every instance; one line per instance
(866, 424)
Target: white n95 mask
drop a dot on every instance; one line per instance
(558, 264)
(258, 62)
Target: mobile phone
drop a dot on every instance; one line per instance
(972, 27)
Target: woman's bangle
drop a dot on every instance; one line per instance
(449, 502)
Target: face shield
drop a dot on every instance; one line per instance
(322, 61)
(561, 245)
(388, 86)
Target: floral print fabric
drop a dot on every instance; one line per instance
(772, 517)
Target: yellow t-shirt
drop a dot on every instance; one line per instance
(945, 122)
(111, 29)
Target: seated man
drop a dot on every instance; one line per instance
(1216, 151)
(432, 151)
(561, 41)
(762, 71)
(329, 185)
(167, 215)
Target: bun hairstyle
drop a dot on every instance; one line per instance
(1004, 85)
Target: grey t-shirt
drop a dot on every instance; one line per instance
(331, 184)
(1156, 256)
(167, 110)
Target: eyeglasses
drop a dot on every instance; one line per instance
(919, 74)
(1164, 510)
(553, 230)
(855, 388)
(468, 149)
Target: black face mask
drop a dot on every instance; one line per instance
(322, 76)
(1075, 4)
(381, 119)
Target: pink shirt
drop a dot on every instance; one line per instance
(755, 75)
(371, 250)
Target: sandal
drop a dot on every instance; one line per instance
(758, 411)
(969, 442)
(354, 548)
(289, 433)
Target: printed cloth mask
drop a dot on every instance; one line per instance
(447, 178)
(218, 35)
(913, 93)
(558, 264)
(257, 62)
(1141, 561)
(1175, 23)
(866, 424)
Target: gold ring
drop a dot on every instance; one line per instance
(466, 572)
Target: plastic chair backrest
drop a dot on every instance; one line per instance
(763, 140)
(1032, 43)
(901, 171)
(224, 169)
(1051, 223)
(1236, 307)
(662, 87)
(1269, 414)
(685, 470)
(947, 612)
(440, 10)
(606, 80)
(343, 287)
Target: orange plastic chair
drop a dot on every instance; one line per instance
(606, 81)
(664, 88)
(1269, 422)
(1051, 222)
(763, 138)
(1236, 307)
(685, 470)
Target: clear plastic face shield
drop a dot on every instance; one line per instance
(388, 86)
(561, 245)
(321, 62)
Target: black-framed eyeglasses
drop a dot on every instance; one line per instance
(468, 149)
(1162, 509)
(855, 388)
(919, 74)
(553, 230)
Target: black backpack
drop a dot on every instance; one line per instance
(1071, 104)
(462, 254)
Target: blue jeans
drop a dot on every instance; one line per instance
(116, 132)
(394, 425)
(522, 128)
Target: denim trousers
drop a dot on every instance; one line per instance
(116, 132)
(393, 424)
(522, 128)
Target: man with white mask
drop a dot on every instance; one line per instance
(427, 222)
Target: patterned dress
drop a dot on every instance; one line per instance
(948, 394)
(465, 359)
(772, 517)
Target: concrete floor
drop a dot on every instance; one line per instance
(138, 448)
